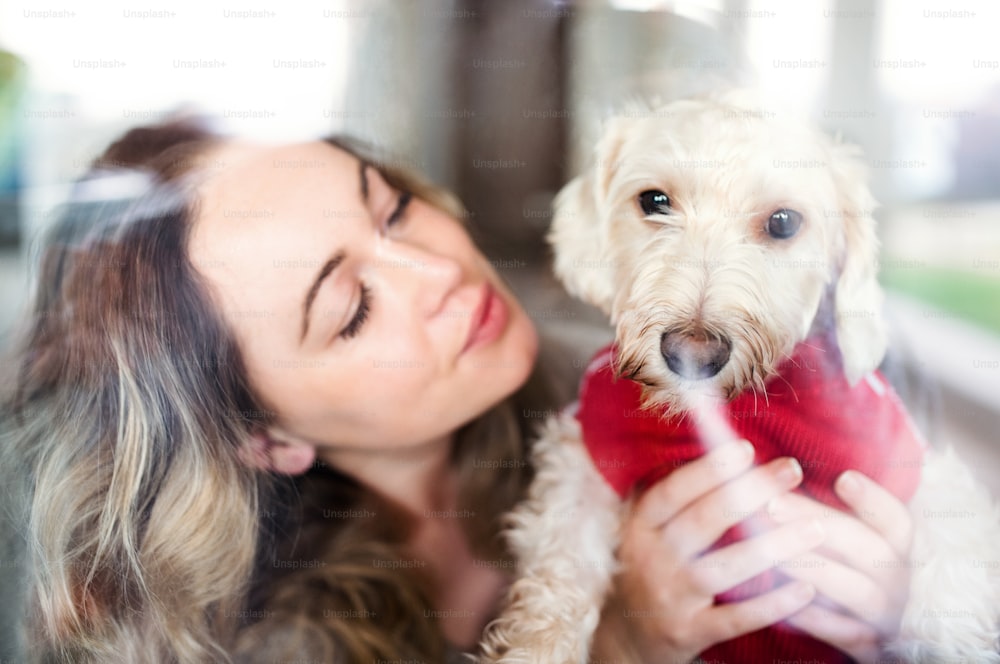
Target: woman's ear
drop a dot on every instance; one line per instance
(861, 331)
(269, 451)
(579, 224)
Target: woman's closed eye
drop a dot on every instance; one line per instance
(360, 314)
(397, 214)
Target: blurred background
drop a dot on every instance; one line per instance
(501, 100)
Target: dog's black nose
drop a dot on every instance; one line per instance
(694, 354)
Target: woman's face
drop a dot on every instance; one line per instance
(367, 318)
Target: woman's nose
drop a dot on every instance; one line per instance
(430, 274)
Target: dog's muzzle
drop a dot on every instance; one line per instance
(694, 354)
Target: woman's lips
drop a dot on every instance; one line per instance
(488, 319)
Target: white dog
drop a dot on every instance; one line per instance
(719, 237)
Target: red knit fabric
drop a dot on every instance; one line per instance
(810, 413)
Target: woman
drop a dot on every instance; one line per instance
(273, 402)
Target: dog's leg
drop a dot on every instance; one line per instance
(563, 537)
(953, 613)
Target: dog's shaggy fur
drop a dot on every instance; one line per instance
(708, 267)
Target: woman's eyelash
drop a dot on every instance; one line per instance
(360, 315)
(397, 214)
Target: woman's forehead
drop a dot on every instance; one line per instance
(254, 181)
(244, 168)
(273, 202)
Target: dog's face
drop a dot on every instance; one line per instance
(717, 237)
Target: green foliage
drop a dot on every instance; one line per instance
(974, 296)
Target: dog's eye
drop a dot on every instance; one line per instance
(654, 201)
(783, 224)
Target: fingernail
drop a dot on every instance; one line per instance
(848, 484)
(744, 450)
(737, 452)
(790, 472)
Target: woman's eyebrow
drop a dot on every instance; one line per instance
(324, 272)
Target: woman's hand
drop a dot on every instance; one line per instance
(667, 585)
(862, 572)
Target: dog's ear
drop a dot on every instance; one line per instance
(861, 331)
(579, 233)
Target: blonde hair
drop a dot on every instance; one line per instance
(148, 539)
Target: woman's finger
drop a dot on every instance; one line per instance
(705, 520)
(851, 540)
(664, 499)
(846, 587)
(730, 566)
(728, 621)
(850, 635)
(878, 508)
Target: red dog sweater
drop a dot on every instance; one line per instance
(810, 413)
